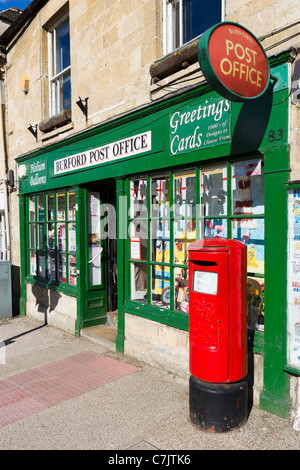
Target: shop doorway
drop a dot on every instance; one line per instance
(101, 277)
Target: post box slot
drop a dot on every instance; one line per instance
(205, 263)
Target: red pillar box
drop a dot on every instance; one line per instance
(218, 334)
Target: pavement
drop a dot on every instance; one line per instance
(59, 392)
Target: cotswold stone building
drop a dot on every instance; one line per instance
(124, 154)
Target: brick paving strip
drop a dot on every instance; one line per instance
(35, 390)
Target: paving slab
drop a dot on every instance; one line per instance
(58, 392)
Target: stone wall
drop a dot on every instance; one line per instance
(51, 307)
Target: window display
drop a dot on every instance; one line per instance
(52, 239)
(138, 274)
(214, 192)
(138, 197)
(185, 206)
(248, 187)
(251, 232)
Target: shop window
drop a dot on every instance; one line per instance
(59, 66)
(184, 20)
(225, 201)
(52, 237)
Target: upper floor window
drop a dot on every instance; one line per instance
(59, 66)
(184, 20)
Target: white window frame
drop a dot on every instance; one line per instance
(55, 104)
(168, 24)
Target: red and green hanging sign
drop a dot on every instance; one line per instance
(234, 62)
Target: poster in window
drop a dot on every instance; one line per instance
(293, 281)
(72, 237)
(135, 248)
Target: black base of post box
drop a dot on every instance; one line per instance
(218, 407)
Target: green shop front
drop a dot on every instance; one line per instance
(107, 215)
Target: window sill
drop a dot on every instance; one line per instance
(57, 286)
(176, 318)
(55, 122)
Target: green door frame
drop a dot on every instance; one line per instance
(121, 234)
(275, 397)
(80, 245)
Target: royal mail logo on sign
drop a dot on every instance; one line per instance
(234, 62)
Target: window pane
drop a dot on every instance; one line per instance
(62, 47)
(62, 269)
(41, 208)
(50, 205)
(60, 206)
(42, 236)
(138, 240)
(214, 192)
(215, 228)
(72, 236)
(248, 187)
(61, 237)
(184, 234)
(160, 294)
(181, 289)
(32, 236)
(199, 15)
(138, 198)
(255, 303)
(94, 265)
(32, 263)
(160, 197)
(251, 232)
(71, 205)
(72, 270)
(94, 252)
(65, 89)
(32, 209)
(176, 24)
(160, 240)
(50, 236)
(185, 194)
(41, 264)
(51, 266)
(138, 275)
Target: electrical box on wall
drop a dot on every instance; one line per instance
(5, 290)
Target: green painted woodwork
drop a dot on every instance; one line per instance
(258, 128)
(94, 297)
(80, 260)
(121, 230)
(275, 395)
